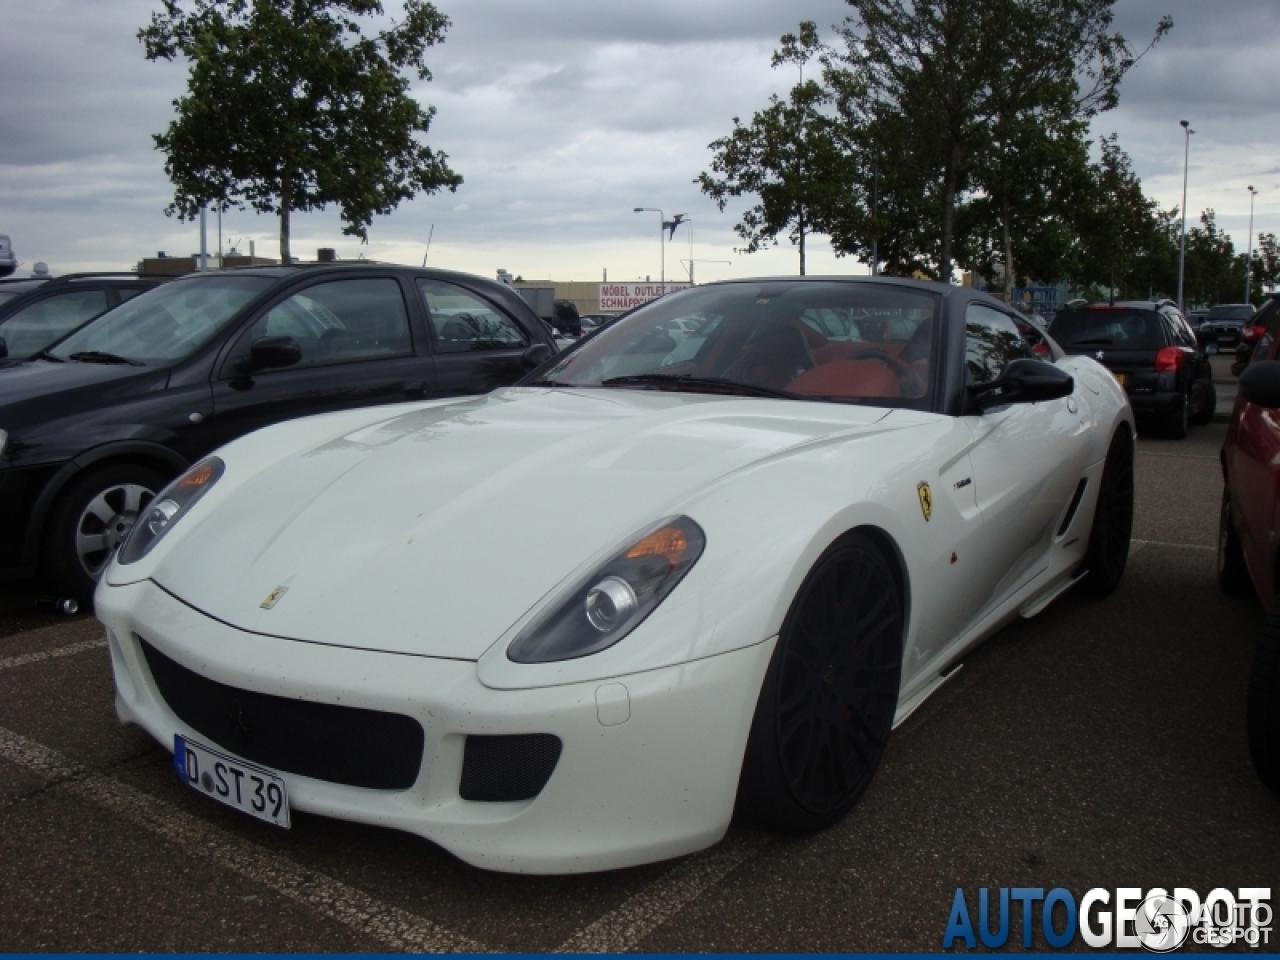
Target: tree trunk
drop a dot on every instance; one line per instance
(1009, 279)
(802, 241)
(948, 216)
(286, 189)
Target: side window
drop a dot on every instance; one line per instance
(991, 342)
(341, 321)
(462, 322)
(38, 325)
(128, 293)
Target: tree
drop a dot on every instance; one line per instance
(926, 82)
(291, 107)
(788, 156)
(1264, 269)
(1214, 271)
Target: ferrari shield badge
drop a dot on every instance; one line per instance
(926, 501)
(273, 598)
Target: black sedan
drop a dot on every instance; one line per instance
(1152, 352)
(37, 312)
(1222, 326)
(95, 425)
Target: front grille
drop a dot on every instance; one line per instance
(516, 767)
(349, 745)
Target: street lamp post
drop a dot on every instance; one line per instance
(662, 238)
(1182, 247)
(1248, 259)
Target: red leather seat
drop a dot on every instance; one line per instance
(848, 378)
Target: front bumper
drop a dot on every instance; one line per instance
(658, 784)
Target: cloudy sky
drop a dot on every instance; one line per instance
(562, 117)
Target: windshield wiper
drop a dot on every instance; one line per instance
(46, 355)
(678, 380)
(101, 356)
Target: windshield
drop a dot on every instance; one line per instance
(1118, 328)
(854, 342)
(167, 323)
(1236, 312)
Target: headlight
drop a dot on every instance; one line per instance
(168, 508)
(604, 607)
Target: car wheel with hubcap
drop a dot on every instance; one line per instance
(91, 519)
(829, 697)
(1233, 575)
(1112, 528)
(1264, 702)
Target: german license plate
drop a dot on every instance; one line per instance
(250, 789)
(1120, 378)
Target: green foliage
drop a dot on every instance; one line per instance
(291, 106)
(1264, 266)
(1214, 271)
(790, 156)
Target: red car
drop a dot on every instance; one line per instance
(1249, 541)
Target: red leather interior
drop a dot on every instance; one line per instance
(847, 378)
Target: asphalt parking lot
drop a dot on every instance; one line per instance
(1100, 744)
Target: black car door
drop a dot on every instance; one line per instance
(359, 347)
(478, 346)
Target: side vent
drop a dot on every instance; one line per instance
(506, 768)
(1073, 507)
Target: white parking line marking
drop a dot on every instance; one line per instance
(66, 651)
(397, 929)
(624, 927)
(1182, 546)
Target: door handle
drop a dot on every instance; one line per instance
(414, 389)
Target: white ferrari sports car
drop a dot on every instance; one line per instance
(697, 567)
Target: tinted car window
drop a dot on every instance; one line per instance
(1237, 312)
(341, 321)
(991, 341)
(843, 342)
(462, 322)
(166, 323)
(34, 327)
(1118, 328)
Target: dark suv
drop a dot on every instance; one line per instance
(1152, 352)
(98, 423)
(37, 312)
(1222, 326)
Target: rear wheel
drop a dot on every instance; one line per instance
(1233, 575)
(1112, 528)
(1208, 405)
(92, 518)
(1179, 419)
(828, 700)
(1264, 702)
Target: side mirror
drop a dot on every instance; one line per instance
(536, 356)
(4, 348)
(1260, 383)
(1024, 381)
(268, 352)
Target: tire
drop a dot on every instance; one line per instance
(1179, 421)
(90, 519)
(1233, 575)
(1264, 702)
(1208, 406)
(1112, 527)
(829, 697)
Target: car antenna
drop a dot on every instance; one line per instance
(429, 236)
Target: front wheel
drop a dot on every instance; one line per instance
(91, 519)
(1108, 551)
(829, 697)
(1264, 702)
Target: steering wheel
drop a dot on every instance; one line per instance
(908, 379)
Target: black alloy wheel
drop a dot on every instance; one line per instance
(1112, 528)
(1233, 575)
(1179, 421)
(90, 520)
(1264, 702)
(827, 704)
(1208, 405)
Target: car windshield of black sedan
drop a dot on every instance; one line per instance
(1239, 312)
(1107, 328)
(167, 323)
(851, 342)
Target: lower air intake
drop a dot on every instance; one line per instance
(517, 767)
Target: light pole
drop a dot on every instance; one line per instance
(1248, 259)
(1182, 247)
(662, 238)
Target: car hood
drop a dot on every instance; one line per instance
(26, 387)
(432, 532)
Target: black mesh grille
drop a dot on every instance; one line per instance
(357, 747)
(516, 767)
